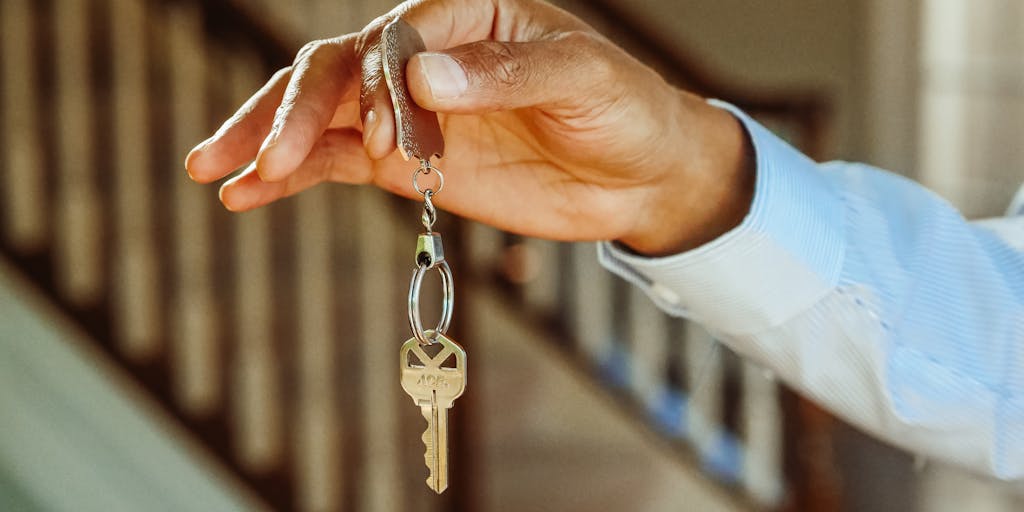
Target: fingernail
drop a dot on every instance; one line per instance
(370, 124)
(444, 75)
(192, 155)
(199, 148)
(189, 159)
(220, 195)
(227, 187)
(261, 155)
(271, 139)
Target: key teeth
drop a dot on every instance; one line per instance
(428, 457)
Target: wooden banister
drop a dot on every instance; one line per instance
(233, 324)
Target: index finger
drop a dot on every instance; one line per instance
(447, 23)
(442, 23)
(323, 74)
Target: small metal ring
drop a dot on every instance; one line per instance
(447, 303)
(425, 169)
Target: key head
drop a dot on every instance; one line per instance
(440, 377)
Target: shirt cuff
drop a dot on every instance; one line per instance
(785, 256)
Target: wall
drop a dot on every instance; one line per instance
(972, 102)
(776, 46)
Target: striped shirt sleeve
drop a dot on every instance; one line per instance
(869, 294)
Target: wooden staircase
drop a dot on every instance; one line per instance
(258, 330)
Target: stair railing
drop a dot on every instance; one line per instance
(233, 321)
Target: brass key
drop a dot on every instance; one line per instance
(434, 385)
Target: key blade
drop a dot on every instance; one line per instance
(435, 441)
(429, 454)
(417, 131)
(433, 388)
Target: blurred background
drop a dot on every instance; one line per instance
(160, 353)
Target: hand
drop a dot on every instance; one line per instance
(551, 130)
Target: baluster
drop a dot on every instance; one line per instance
(762, 432)
(566, 289)
(540, 292)
(615, 367)
(726, 457)
(593, 304)
(381, 280)
(671, 411)
(318, 448)
(195, 349)
(704, 372)
(24, 194)
(647, 333)
(348, 369)
(136, 285)
(78, 229)
(485, 249)
(258, 415)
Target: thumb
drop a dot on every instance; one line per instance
(565, 72)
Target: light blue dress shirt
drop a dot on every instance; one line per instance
(869, 294)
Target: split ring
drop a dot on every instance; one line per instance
(447, 303)
(426, 169)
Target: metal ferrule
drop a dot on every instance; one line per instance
(429, 251)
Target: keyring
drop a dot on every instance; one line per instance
(447, 303)
(426, 168)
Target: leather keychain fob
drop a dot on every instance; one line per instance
(417, 130)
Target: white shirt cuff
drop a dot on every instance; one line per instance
(785, 256)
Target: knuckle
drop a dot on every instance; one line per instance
(581, 38)
(304, 120)
(307, 50)
(592, 52)
(499, 64)
(279, 74)
(324, 51)
(369, 37)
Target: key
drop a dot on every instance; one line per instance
(434, 386)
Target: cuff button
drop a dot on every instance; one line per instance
(665, 294)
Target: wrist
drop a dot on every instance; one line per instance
(710, 190)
